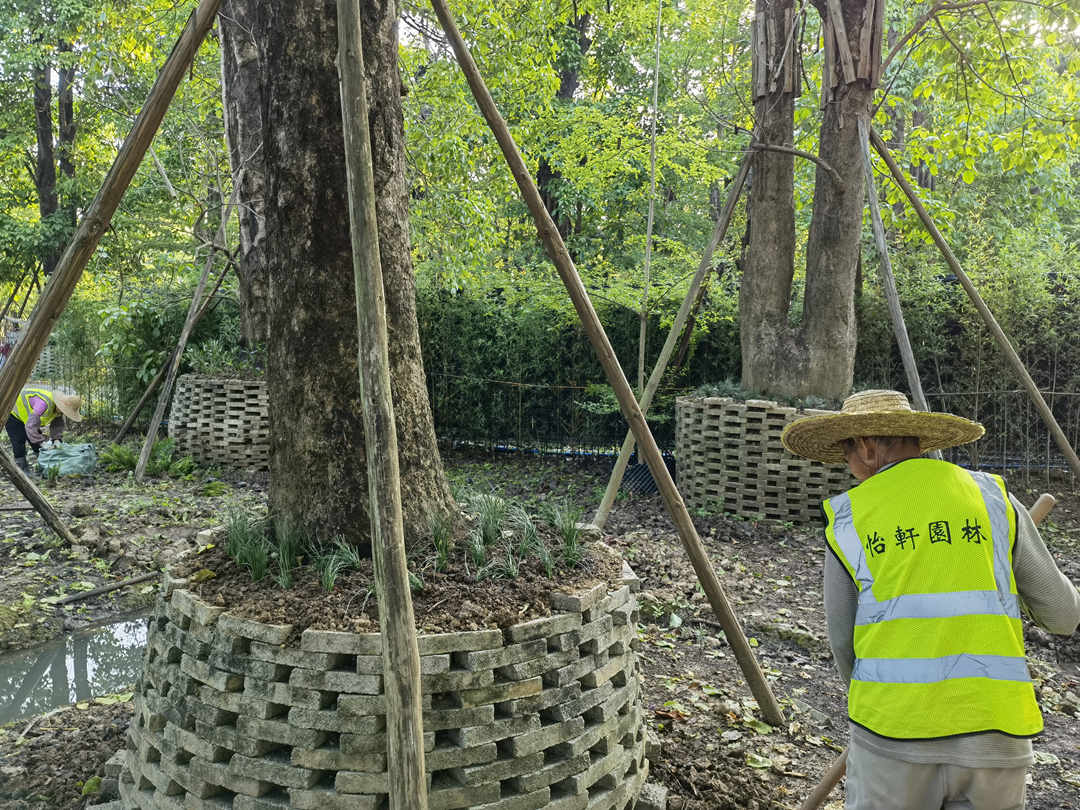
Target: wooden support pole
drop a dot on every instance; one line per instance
(875, 43)
(1042, 506)
(557, 252)
(16, 371)
(866, 31)
(615, 481)
(888, 281)
(36, 499)
(401, 657)
(189, 323)
(836, 16)
(828, 64)
(987, 316)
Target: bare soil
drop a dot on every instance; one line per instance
(708, 743)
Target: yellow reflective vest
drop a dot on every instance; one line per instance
(939, 646)
(22, 405)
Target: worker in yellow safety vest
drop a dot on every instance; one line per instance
(925, 569)
(35, 409)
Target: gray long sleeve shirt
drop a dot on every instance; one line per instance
(1054, 604)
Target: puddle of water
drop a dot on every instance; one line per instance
(79, 666)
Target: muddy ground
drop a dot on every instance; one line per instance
(709, 745)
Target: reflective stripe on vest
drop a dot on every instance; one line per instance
(977, 678)
(23, 410)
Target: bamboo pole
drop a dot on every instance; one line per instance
(556, 249)
(615, 481)
(401, 657)
(189, 324)
(888, 281)
(987, 316)
(36, 498)
(838, 766)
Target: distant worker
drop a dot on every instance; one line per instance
(34, 409)
(926, 566)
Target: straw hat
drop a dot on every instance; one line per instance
(875, 413)
(68, 405)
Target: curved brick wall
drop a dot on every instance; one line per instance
(729, 457)
(221, 421)
(544, 714)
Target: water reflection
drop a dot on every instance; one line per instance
(76, 667)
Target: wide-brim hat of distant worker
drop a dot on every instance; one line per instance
(68, 405)
(876, 413)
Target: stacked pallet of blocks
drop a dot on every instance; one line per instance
(729, 458)
(233, 713)
(221, 421)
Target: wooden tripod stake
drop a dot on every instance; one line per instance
(557, 252)
(401, 657)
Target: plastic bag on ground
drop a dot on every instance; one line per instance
(68, 459)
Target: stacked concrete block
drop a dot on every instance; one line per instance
(729, 458)
(233, 713)
(221, 421)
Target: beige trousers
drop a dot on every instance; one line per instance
(875, 782)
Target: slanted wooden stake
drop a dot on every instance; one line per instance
(987, 316)
(631, 411)
(401, 658)
(189, 323)
(615, 481)
(16, 371)
(838, 766)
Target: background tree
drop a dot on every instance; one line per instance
(317, 467)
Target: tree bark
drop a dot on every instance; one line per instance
(767, 341)
(244, 105)
(45, 170)
(317, 462)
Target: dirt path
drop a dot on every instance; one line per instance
(708, 745)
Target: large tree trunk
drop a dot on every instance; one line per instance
(818, 355)
(770, 356)
(317, 468)
(832, 252)
(244, 108)
(45, 171)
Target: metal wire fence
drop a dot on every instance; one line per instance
(499, 414)
(1017, 442)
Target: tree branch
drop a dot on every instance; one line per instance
(789, 150)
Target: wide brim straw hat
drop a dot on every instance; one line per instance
(68, 405)
(875, 413)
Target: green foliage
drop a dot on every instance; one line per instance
(119, 457)
(213, 489)
(442, 539)
(223, 357)
(566, 519)
(161, 457)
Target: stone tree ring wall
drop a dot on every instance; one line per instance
(233, 713)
